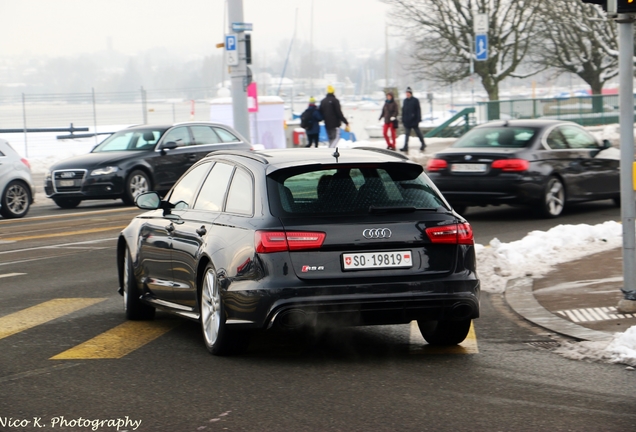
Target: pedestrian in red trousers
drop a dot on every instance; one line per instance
(390, 114)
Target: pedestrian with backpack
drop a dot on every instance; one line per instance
(332, 115)
(310, 121)
(389, 112)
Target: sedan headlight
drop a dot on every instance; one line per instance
(104, 171)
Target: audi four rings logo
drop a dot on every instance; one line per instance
(376, 233)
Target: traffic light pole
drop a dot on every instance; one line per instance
(628, 207)
(239, 73)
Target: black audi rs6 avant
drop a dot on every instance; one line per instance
(298, 238)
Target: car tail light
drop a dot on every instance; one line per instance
(436, 165)
(279, 241)
(26, 162)
(452, 234)
(511, 165)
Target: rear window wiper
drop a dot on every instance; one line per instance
(400, 209)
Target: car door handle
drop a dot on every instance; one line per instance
(170, 228)
(202, 231)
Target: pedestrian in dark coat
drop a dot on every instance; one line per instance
(390, 112)
(411, 118)
(314, 114)
(332, 115)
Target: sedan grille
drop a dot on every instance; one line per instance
(68, 180)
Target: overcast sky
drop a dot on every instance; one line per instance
(70, 27)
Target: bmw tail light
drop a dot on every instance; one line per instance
(451, 234)
(26, 162)
(511, 165)
(436, 165)
(279, 241)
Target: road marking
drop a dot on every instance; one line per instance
(42, 313)
(593, 314)
(418, 344)
(42, 371)
(65, 234)
(119, 341)
(82, 214)
(62, 245)
(6, 275)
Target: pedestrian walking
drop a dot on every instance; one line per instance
(411, 118)
(310, 121)
(332, 116)
(390, 113)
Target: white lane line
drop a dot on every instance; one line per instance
(595, 315)
(6, 275)
(58, 246)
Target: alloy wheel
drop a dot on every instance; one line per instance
(17, 199)
(138, 185)
(555, 197)
(210, 308)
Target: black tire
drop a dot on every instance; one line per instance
(134, 308)
(137, 182)
(218, 339)
(617, 201)
(67, 203)
(444, 333)
(553, 201)
(15, 200)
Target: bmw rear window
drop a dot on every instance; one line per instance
(497, 137)
(356, 189)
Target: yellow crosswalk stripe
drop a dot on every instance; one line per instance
(419, 346)
(42, 313)
(119, 341)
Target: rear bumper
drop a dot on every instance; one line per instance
(361, 305)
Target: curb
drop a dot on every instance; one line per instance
(519, 296)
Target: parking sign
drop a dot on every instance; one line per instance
(231, 51)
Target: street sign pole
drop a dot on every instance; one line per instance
(628, 207)
(239, 72)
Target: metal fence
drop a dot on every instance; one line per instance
(585, 110)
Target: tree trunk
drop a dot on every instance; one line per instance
(597, 98)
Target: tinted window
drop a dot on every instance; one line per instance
(213, 191)
(143, 139)
(183, 193)
(226, 136)
(240, 198)
(555, 140)
(578, 138)
(351, 190)
(180, 135)
(501, 137)
(204, 135)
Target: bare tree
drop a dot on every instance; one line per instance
(577, 37)
(441, 34)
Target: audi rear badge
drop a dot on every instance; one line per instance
(376, 233)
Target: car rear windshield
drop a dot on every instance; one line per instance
(138, 139)
(498, 137)
(320, 190)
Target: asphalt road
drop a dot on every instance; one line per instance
(69, 359)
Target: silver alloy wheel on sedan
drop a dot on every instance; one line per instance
(554, 198)
(17, 200)
(138, 184)
(210, 308)
(126, 279)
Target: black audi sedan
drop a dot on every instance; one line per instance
(297, 238)
(135, 160)
(543, 164)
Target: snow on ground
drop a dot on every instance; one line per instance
(534, 255)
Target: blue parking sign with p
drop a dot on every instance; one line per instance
(230, 42)
(481, 47)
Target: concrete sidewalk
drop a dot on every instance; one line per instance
(578, 299)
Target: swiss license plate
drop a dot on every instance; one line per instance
(468, 167)
(66, 183)
(377, 260)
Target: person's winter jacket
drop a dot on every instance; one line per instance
(411, 112)
(331, 112)
(316, 117)
(390, 109)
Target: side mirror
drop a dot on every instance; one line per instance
(606, 144)
(148, 201)
(170, 145)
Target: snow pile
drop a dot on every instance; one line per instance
(537, 253)
(620, 350)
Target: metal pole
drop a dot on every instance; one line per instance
(628, 208)
(24, 124)
(144, 106)
(94, 115)
(311, 52)
(239, 73)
